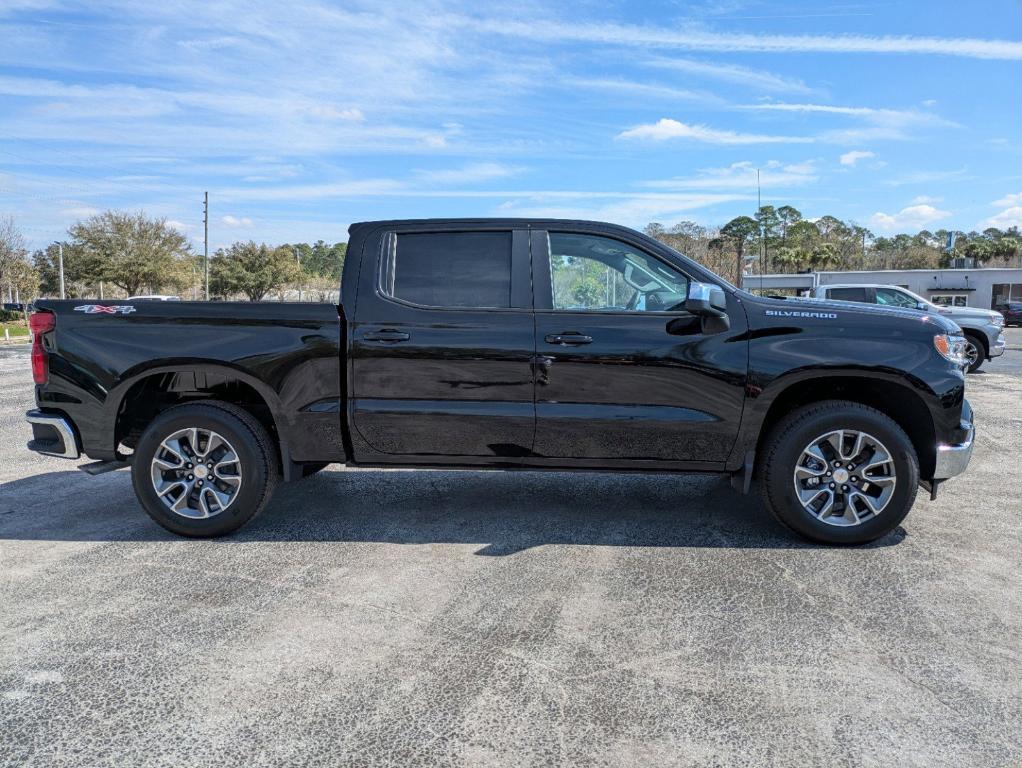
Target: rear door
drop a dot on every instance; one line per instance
(625, 374)
(442, 344)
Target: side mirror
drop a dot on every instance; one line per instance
(708, 302)
(922, 305)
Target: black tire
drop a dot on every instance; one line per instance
(256, 454)
(308, 470)
(981, 351)
(783, 450)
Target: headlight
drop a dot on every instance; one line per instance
(951, 348)
(999, 321)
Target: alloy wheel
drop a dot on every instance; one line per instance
(196, 473)
(845, 477)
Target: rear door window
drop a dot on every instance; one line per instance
(448, 269)
(849, 294)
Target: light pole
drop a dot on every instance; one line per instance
(60, 266)
(298, 258)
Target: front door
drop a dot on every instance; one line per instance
(442, 345)
(624, 372)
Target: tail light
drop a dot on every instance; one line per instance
(39, 323)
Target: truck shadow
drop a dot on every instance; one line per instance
(501, 512)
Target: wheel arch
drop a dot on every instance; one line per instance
(981, 338)
(138, 399)
(896, 400)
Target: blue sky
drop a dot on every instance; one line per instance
(302, 117)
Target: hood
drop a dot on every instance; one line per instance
(953, 312)
(798, 304)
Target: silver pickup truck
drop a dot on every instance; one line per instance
(983, 328)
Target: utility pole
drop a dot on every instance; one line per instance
(298, 258)
(205, 239)
(60, 267)
(762, 239)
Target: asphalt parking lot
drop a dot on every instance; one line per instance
(414, 618)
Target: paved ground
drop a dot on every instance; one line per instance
(399, 618)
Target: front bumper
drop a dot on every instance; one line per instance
(952, 459)
(53, 434)
(997, 348)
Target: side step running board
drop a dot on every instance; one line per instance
(99, 467)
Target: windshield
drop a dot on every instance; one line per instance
(917, 297)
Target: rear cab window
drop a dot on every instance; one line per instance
(849, 294)
(448, 269)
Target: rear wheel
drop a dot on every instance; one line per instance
(839, 472)
(204, 469)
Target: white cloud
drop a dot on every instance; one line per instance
(474, 172)
(631, 210)
(727, 42)
(82, 211)
(742, 175)
(851, 158)
(912, 217)
(1008, 200)
(180, 226)
(666, 128)
(330, 112)
(924, 199)
(644, 90)
(1010, 216)
(733, 73)
(235, 221)
(925, 177)
(881, 123)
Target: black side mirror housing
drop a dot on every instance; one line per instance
(708, 302)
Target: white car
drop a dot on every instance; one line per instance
(983, 328)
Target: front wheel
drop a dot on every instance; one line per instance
(204, 469)
(974, 353)
(839, 472)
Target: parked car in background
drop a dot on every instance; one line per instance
(983, 328)
(1012, 312)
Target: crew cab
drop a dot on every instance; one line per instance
(983, 328)
(509, 344)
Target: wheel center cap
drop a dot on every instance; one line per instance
(201, 472)
(840, 475)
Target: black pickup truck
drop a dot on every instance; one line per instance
(509, 344)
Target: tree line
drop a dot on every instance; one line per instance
(782, 240)
(127, 254)
(119, 253)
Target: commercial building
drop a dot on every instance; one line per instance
(983, 288)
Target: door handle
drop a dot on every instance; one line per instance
(569, 338)
(387, 335)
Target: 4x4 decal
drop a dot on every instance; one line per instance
(103, 309)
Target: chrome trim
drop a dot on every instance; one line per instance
(64, 429)
(953, 459)
(998, 346)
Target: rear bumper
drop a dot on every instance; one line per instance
(53, 434)
(952, 459)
